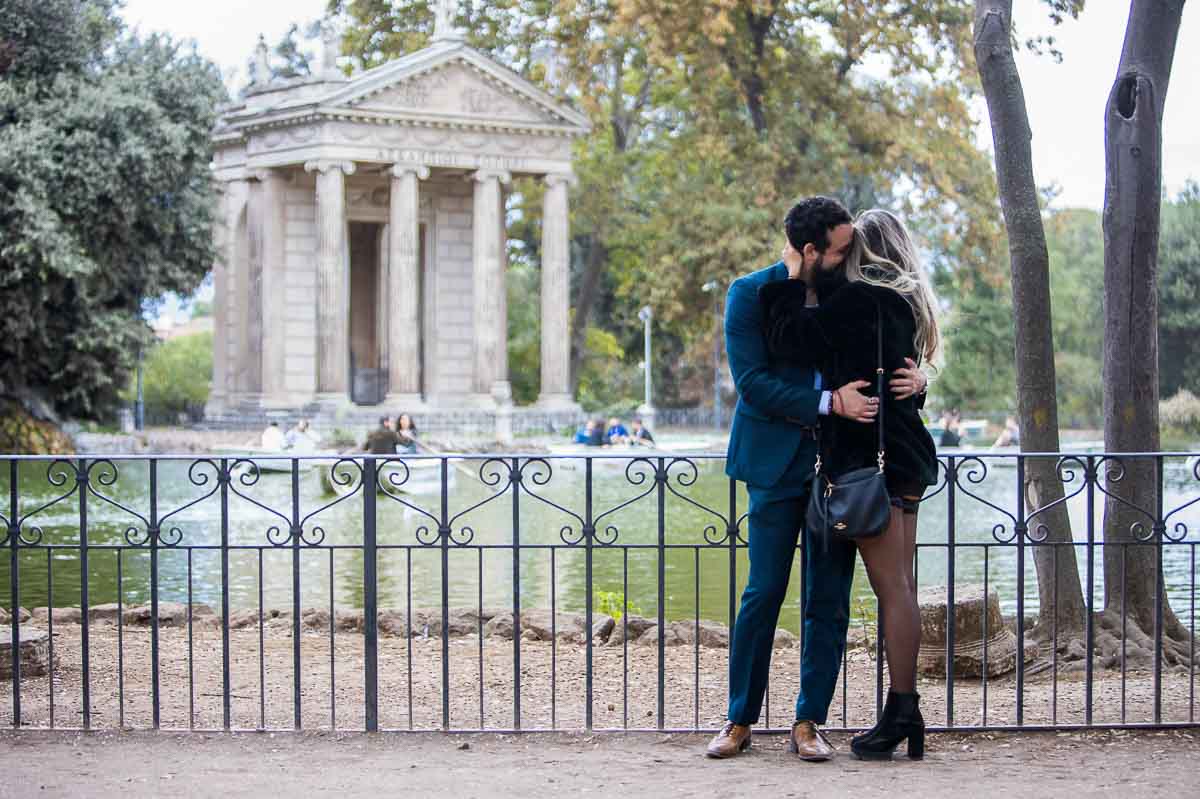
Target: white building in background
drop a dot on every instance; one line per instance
(362, 256)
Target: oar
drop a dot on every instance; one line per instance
(459, 465)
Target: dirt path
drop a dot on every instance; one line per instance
(134, 765)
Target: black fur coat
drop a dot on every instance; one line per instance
(838, 338)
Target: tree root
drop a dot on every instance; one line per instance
(1136, 647)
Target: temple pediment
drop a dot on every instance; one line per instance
(455, 83)
(455, 90)
(445, 106)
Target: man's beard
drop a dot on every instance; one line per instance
(826, 281)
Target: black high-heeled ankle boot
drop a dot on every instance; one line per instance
(901, 720)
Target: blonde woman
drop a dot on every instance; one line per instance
(831, 324)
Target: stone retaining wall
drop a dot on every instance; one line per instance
(426, 622)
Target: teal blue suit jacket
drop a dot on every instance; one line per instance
(762, 444)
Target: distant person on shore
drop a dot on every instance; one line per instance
(406, 429)
(951, 437)
(640, 435)
(584, 434)
(591, 434)
(300, 438)
(383, 440)
(616, 433)
(1010, 436)
(272, 437)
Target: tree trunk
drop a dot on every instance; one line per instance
(597, 257)
(748, 75)
(1132, 201)
(1037, 402)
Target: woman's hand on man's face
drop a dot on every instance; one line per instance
(793, 260)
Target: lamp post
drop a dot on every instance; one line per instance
(647, 409)
(712, 286)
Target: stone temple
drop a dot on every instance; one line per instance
(362, 248)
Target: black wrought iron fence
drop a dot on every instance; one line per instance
(548, 592)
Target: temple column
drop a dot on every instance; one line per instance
(404, 283)
(333, 281)
(225, 305)
(488, 288)
(273, 283)
(247, 283)
(555, 290)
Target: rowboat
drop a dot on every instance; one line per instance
(619, 456)
(342, 476)
(268, 461)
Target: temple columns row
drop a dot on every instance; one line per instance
(249, 349)
(490, 296)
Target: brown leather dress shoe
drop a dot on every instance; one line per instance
(809, 743)
(731, 740)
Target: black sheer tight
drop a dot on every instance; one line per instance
(889, 561)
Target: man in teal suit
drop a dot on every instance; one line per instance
(772, 448)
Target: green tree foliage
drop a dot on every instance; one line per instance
(710, 117)
(177, 374)
(1179, 293)
(1075, 243)
(105, 195)
(607, 381)
(979, 373)
(1076, 248)
(524, 331)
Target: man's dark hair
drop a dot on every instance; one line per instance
(383, 420)
(811, 219)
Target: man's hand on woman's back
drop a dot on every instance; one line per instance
(908, 381)
(850, 403)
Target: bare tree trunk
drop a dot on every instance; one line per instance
(1132, 201)
(1037, 402)
(594, 264)
(748, 75)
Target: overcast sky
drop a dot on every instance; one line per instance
(1066, 101)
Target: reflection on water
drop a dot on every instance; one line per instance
(625, 559)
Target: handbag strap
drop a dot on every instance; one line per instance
(879, 392)
(879, 374)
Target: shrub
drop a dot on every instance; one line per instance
(176, 375)
(612, 603)
(1181, 413)
(607, 384)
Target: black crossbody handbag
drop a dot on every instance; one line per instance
(856, 504)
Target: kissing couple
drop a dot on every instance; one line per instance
(810, 340)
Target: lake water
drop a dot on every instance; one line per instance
(695, 573)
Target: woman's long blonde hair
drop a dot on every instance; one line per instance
(883, 254)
